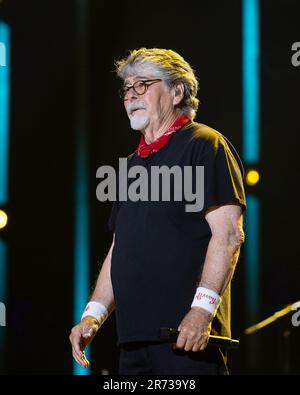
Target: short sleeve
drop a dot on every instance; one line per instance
(116, 204)
(223, 175)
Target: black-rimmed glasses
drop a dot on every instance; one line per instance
(139, 87)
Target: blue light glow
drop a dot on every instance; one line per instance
(81, 243)
(251, 148)
(4, 149)
(4, 110)
(82, 212)
(251, 77)
(252, 251)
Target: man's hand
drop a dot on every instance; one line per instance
(194, 330)
(81, 335)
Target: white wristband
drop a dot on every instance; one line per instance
(207, 300)
(97, 310)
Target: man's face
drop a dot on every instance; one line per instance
(151, 108)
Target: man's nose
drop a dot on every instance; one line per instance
(130, 95)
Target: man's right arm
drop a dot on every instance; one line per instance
(103, 292)
(83, 333)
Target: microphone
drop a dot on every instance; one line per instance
(169, 335)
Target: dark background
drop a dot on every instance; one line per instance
(47, 79)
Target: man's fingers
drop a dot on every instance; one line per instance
(85, 361)
(196, 347)
(82, 360)
(188, 345)
(77, 352)
(81, 335)
(180, 341)
(204, 344)
(194, 344)
(75, 340)
(201, 344)
(78, 360)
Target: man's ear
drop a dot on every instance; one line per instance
(178, 93)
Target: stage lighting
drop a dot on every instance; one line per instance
(252, 177)
(3, 219)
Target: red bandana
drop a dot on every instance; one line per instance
(144, 150)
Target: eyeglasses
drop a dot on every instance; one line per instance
(139, 87)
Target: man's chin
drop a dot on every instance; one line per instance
(138, 124)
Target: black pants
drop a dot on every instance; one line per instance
(159, 358)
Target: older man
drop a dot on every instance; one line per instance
(168, 267)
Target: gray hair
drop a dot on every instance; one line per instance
(167, 65)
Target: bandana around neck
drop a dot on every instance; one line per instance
(144, 150)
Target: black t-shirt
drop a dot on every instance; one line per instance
(160, 248)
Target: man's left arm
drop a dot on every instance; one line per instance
(226, 224)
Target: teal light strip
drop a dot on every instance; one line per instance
(82, 211)
(4, 150)
(4, 109)
(251, 147)
(251, 86)
(81, 242)
(252, 251)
